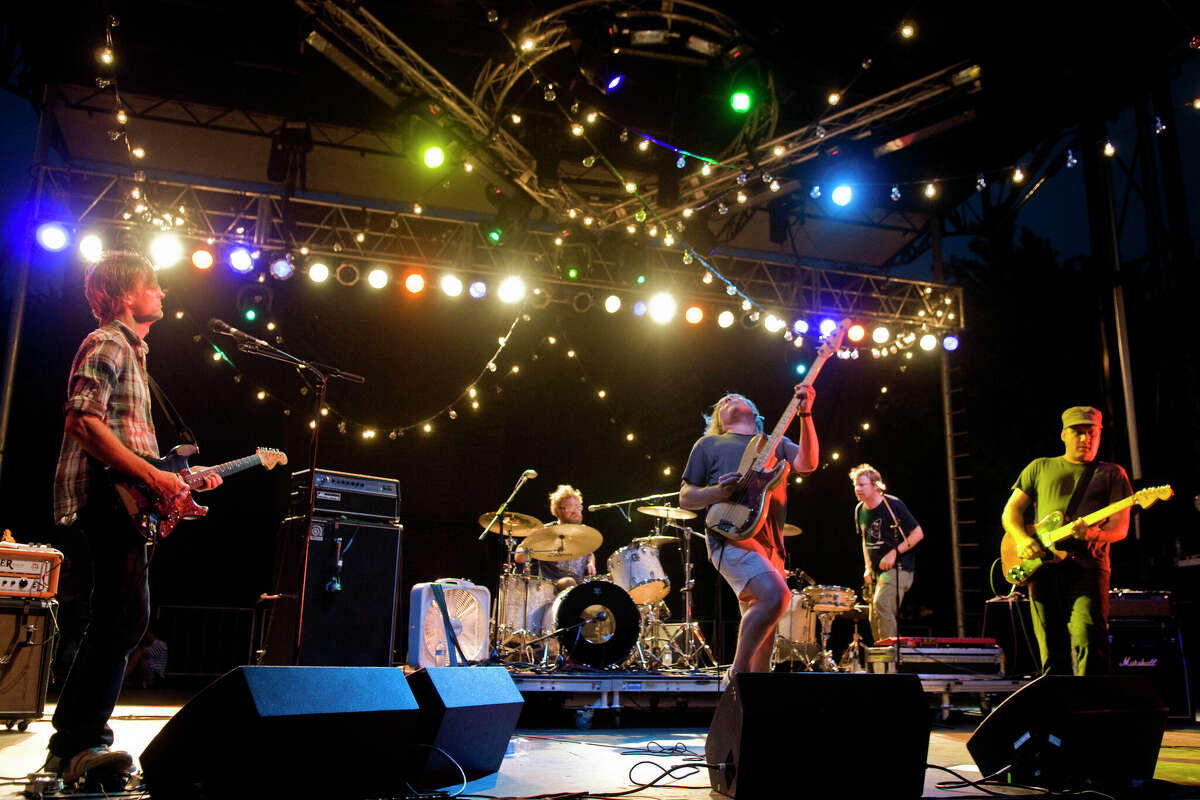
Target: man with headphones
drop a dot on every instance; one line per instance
(889, 533)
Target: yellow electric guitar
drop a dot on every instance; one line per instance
(1054, 528)
(741, 516)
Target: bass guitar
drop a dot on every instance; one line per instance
(1053, 528)
(741, 515)
(154, 516)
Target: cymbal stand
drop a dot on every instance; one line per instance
(824, 661)
(693, 646)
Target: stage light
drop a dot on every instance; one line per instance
(282, 269)
(800, 326)
(240, 261)
(856, 333)
(495, 234)
(612, 304)
(414, 282)
(639, 308)
(739, 101)
(250, 315)
(451, 285)
(202, 259)
(950, 342)
(165, 250)
(477, 289)
(694, 315)
(908, 30)
(880, 335)
(834, 98)
(773, 324)
(511, 290)
(827, 326)
(434, 157)
(378, 278)
(91, 247)
(842, 195)
(930, 190)
(801, 368)
(52, 236)
(725, 319)
(1110, 149)
(318, 272)
(105, 56)
(614, 82)
(928, 342)
(662, 308)
(346, 273)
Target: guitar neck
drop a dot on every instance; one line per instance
(1096, 516)
(789, 413)
(228, 468)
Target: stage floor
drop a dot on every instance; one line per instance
(600, 759)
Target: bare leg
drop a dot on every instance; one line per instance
(767, 594)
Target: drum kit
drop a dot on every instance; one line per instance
(605, 621)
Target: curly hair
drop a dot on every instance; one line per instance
(117, 273)
(560, 494)
(870, 472)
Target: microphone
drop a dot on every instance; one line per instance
(529, 473)
(241, 337)
(593, 508)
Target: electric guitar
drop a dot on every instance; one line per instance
(741, 515)
(154, 516)
(1053, 528)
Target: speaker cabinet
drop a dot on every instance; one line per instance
(287, 731)
(1066, 731)
(759, 757)
(26, 648)
(350, 595)
(1153, 648)
(470, 713)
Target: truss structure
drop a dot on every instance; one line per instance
(368, 233)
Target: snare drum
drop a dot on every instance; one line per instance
(637, 570)
(523, 602)
(597, 643)
(834, 599)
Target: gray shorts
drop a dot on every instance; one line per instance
(738, 565)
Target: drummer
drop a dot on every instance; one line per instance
(566, 504)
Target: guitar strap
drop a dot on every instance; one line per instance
(896, 522)
(183, 434)
(1077, 496)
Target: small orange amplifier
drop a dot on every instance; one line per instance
(28, 570)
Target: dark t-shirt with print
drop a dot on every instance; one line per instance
(878, 530)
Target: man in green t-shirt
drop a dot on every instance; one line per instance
(1069, 599)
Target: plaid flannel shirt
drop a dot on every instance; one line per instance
(108, 380)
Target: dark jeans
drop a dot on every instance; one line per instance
(120, 612)
(1069, 602)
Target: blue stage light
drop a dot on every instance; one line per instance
(53, 236)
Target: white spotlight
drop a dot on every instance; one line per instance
(842, 195)
(612, 304)
(511, 290)
(773, 323)
(318, 272)
(662, 308)
(725, 318)
(165, 250)
(91, 247)
(377, 278)
(451, 285)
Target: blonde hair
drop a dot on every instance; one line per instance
(560, 494)
(870, 472)
(712, 422)
(117, 273)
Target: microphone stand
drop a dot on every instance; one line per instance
(323, 373)
(623, 505)
(494, 656)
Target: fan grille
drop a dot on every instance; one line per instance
(464, 608)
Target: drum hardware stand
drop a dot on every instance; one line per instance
(693, 645)
(854, 659)
(825, 662)
(499, 515)
(623, 505)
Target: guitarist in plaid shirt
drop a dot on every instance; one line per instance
(108, 424)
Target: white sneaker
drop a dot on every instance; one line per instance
(99, 759)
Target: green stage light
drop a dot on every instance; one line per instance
(739, 101)
(496, 235)
(250, 314)
(573, 274)
(434, 156)
(641, 279)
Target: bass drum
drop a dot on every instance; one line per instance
(611, 623)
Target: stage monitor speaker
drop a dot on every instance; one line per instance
(758, 757)
(469, 713)
(287, 731)
(351, 591)
(1153, 648)
(1066, 731)
(26, 647)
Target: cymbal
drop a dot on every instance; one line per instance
(655, 541)
(667, 512)
(562, 542)
(514, 524)
(791, 530)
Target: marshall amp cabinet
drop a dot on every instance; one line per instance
(345, 495)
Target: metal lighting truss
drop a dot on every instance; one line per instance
(438, 239)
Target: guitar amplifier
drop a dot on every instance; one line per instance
(1144, 603)
(29, 570)
(344, 494)
(938, 656)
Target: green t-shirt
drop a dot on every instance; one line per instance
(1050, 482)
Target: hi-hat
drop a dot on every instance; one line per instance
(655, 541)
(562, 542)
(791, 530)
(514, 524)
(666, 512)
